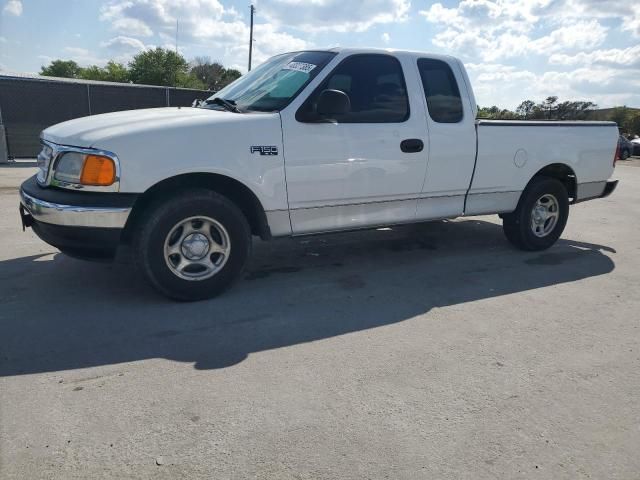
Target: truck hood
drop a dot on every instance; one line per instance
(156, 144)
(98, 130)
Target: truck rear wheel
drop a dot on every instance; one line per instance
(193, 246)
(540, 217)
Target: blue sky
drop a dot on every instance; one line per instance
(513, 49)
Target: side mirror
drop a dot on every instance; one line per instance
(333, 102)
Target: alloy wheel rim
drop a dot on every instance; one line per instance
(197, 248)
(545, 215)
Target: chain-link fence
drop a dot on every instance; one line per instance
(28, 105)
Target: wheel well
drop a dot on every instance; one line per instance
(565, 174)
(234, 190)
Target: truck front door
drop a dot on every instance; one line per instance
(361, 167)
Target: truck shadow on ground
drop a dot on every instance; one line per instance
(58, 313)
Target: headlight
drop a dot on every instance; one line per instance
(85, 169)
(69, 167)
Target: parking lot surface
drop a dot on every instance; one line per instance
(418, 352)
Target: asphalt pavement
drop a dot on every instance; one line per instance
(418, 352)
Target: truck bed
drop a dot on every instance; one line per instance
(510, 152)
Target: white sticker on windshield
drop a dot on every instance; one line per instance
(300, 66)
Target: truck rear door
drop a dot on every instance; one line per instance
(450, 116)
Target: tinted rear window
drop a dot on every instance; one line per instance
(441, 89)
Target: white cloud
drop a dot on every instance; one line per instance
(45, 58)
(503, 84)
(626, 11)
(131, 26)
(568, 35)
(602, 85)
(139, 17)
(82, 56)
(490, 15)
(122, 49)
(145, 17)
(386, 38)
(580, 35)
(124, 44)
(220, 32)
(268, 41)
(497, 29)
(3, 40)
(13, 7)
(615, 57)
(334, 15)
(493, 81)
(202, 23)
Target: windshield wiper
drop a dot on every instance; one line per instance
(226, 104)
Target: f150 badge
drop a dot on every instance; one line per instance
(265, 149)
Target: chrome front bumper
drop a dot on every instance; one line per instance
(72, 215)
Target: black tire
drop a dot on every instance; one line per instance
(161, 220)
(518, 226)
(624, 154)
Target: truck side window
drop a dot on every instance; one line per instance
(375, 86)
(440, 87)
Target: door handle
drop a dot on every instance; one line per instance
(412, 145)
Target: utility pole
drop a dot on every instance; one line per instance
(253, 10)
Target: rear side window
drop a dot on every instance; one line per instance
(440, 87)
(375, 86)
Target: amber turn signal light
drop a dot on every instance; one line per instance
(98, 170)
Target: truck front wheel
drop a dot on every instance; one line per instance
(540, 217)
(193, 245)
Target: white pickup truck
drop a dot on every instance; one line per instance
(309, 142)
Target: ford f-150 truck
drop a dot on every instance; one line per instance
(308, 142)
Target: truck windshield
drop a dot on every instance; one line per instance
(274, 84)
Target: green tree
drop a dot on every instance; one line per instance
(212, 74)
(526, 108)
(93, 72)
(620, 115)
(572, 110)
(633, 123)
(158, 67)
(111, 72)
(230, 75)
(548, 106)
(116, 72)
(153, 67)
(495, 113)
(61, 68)
(208, 72)
(186, 80)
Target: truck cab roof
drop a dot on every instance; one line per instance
(389, 51)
